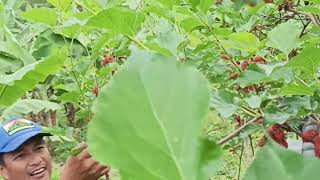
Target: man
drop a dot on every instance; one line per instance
(25, 156)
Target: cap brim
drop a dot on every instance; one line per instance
(18, 141)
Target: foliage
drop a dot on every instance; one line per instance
(140, 58)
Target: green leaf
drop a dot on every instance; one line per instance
(315, 1)
(9, 64)
(203, 5)
(253, 75)
(60, 4)
(275, 162)
(119, 20)
(143, 112)
(190, 24)
(223, 102)
(284, 37)
(283, 73)
(307, 61)
(10, 47)
(103, 3)
(295, 103)
(156, 48)
(312, 10)
(72, 96)
(100, 44)
(242, 41)
(294, 89)
(274, 115)
(48, 41)
(222, 32)
(168, 4)
(42, 15)
(2, 14)
(167, 37)
(254, 101)
(209, 151)
(265, 73)
(268, 68)
(13, 86)
(25, 106)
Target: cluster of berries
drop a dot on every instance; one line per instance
(312, 136)
(276, 132)
(107, 59)
(243, 65)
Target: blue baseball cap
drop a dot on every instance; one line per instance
(14, 132)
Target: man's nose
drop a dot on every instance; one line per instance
(34, 160)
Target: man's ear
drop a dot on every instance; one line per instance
(3, 172)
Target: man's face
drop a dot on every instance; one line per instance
(31, 161)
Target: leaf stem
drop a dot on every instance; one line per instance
(302, 81)
(137, 42)
(2, 90)
(204, 22)
(250, 111)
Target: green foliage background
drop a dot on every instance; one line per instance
(52, 71)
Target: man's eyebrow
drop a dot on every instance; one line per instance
(19, 150)
(39, 142)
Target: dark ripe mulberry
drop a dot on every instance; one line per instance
(244, 64)
(258, 60)
(107, 59)
(316, 142)
(309, 135)
(277, 133)
(95, 90)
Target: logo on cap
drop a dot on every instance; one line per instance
(17, 125)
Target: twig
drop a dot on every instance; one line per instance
(225, 51)
(290, 129)
(315, 118)
(218, 41)
(236, 132)
(251, 144)
(240, 160)
(304, 28)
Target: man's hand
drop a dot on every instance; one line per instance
(82, 167)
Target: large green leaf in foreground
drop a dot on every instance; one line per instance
(274, 162)
(148, 119)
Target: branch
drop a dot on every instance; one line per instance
(236, 132)
(304, 28)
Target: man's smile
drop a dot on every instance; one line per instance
(38, 173)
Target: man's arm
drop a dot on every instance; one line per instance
(82, 167)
